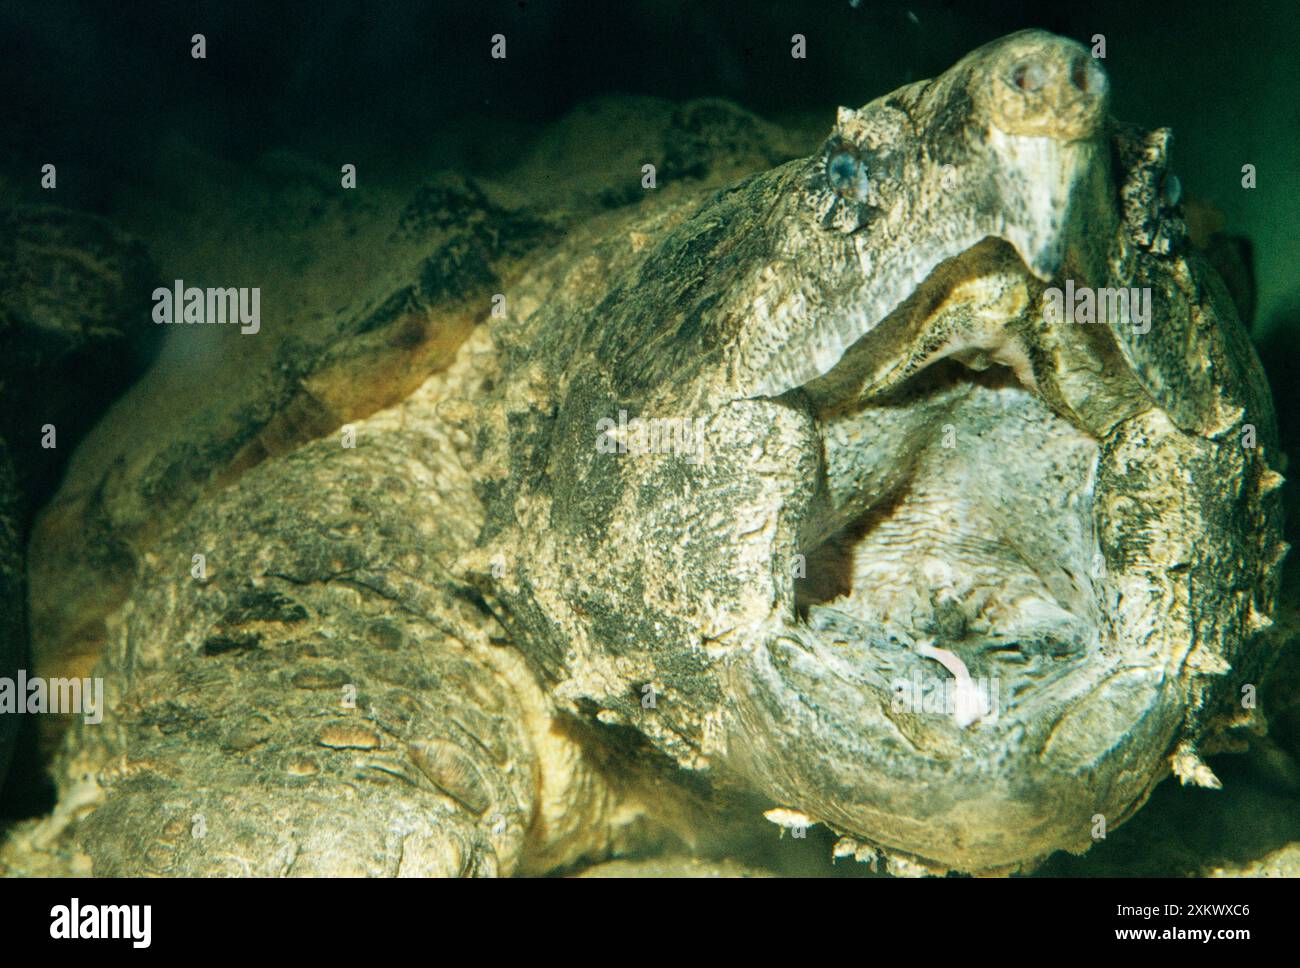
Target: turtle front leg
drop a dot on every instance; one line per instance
(306, 698)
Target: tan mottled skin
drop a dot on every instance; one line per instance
(501, 593)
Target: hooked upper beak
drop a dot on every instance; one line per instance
(1046, 100)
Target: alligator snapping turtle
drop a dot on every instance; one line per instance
(662, 544)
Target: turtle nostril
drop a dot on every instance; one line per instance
(1088, 77)
(1028, 76)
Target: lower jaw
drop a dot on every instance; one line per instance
(1098, 635)
(820, 735)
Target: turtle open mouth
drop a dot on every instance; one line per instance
(1004, 607)
(956, 510)
(980, 541)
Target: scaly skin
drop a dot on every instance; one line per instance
(540, 632)
(71, 288)
(644, 570)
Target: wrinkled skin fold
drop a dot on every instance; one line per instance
(560, 652)
(832, 353)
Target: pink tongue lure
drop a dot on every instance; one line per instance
(970, 704)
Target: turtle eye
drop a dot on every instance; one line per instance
(847, 175)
